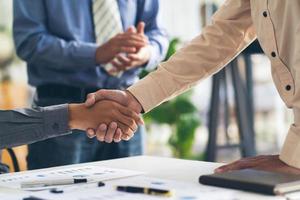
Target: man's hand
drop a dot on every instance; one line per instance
(104, 112)
(123, 62)
(127, 42)
(126, 62)
(266, 162)
(123, 97)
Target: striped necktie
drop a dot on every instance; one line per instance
(107, 22)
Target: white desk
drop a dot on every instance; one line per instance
(167, 168)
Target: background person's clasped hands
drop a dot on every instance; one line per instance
(126, 50)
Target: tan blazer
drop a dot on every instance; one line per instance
(276, 24)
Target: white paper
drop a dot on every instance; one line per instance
(293, 196)
(12, 194)
(180, 190)
(90, 172)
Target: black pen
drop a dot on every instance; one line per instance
(142, 190)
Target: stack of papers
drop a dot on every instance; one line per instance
(112, 178)
(93, 173)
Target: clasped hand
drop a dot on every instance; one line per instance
(122, 117)
(110, 120)
(126, 50)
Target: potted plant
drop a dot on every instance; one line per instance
(180, 114)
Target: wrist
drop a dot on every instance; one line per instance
(102, 54)
(134, 103)
(75, 111)
(99, 60)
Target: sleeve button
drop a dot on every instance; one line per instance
(288, 87)
(265, 14)
(273, 54)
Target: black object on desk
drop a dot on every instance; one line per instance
(32, 198)
(56, 191)
(142, 190)
(101, 184)
(254, 181)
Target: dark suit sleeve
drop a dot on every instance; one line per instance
(23, 126)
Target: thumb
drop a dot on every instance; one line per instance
(118, 96)
(113, 95)
(93, 98)
(141, 28)
(90, 100)
(131, 29)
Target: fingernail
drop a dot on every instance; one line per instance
(218, 170)
(108, 141)
(113, 125)
(116, 140)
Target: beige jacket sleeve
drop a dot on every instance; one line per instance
(290, 152)
(231, 31)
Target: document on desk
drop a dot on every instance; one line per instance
(93, 173)
(180, 190)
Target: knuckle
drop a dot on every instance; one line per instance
(132, 123)
(90, 95)
(113, 125)
(129, 112)
(127, 130)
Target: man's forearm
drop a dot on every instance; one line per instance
(231, 31)
(23, 126)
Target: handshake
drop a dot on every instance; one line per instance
(109, 115)
(113, 115)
